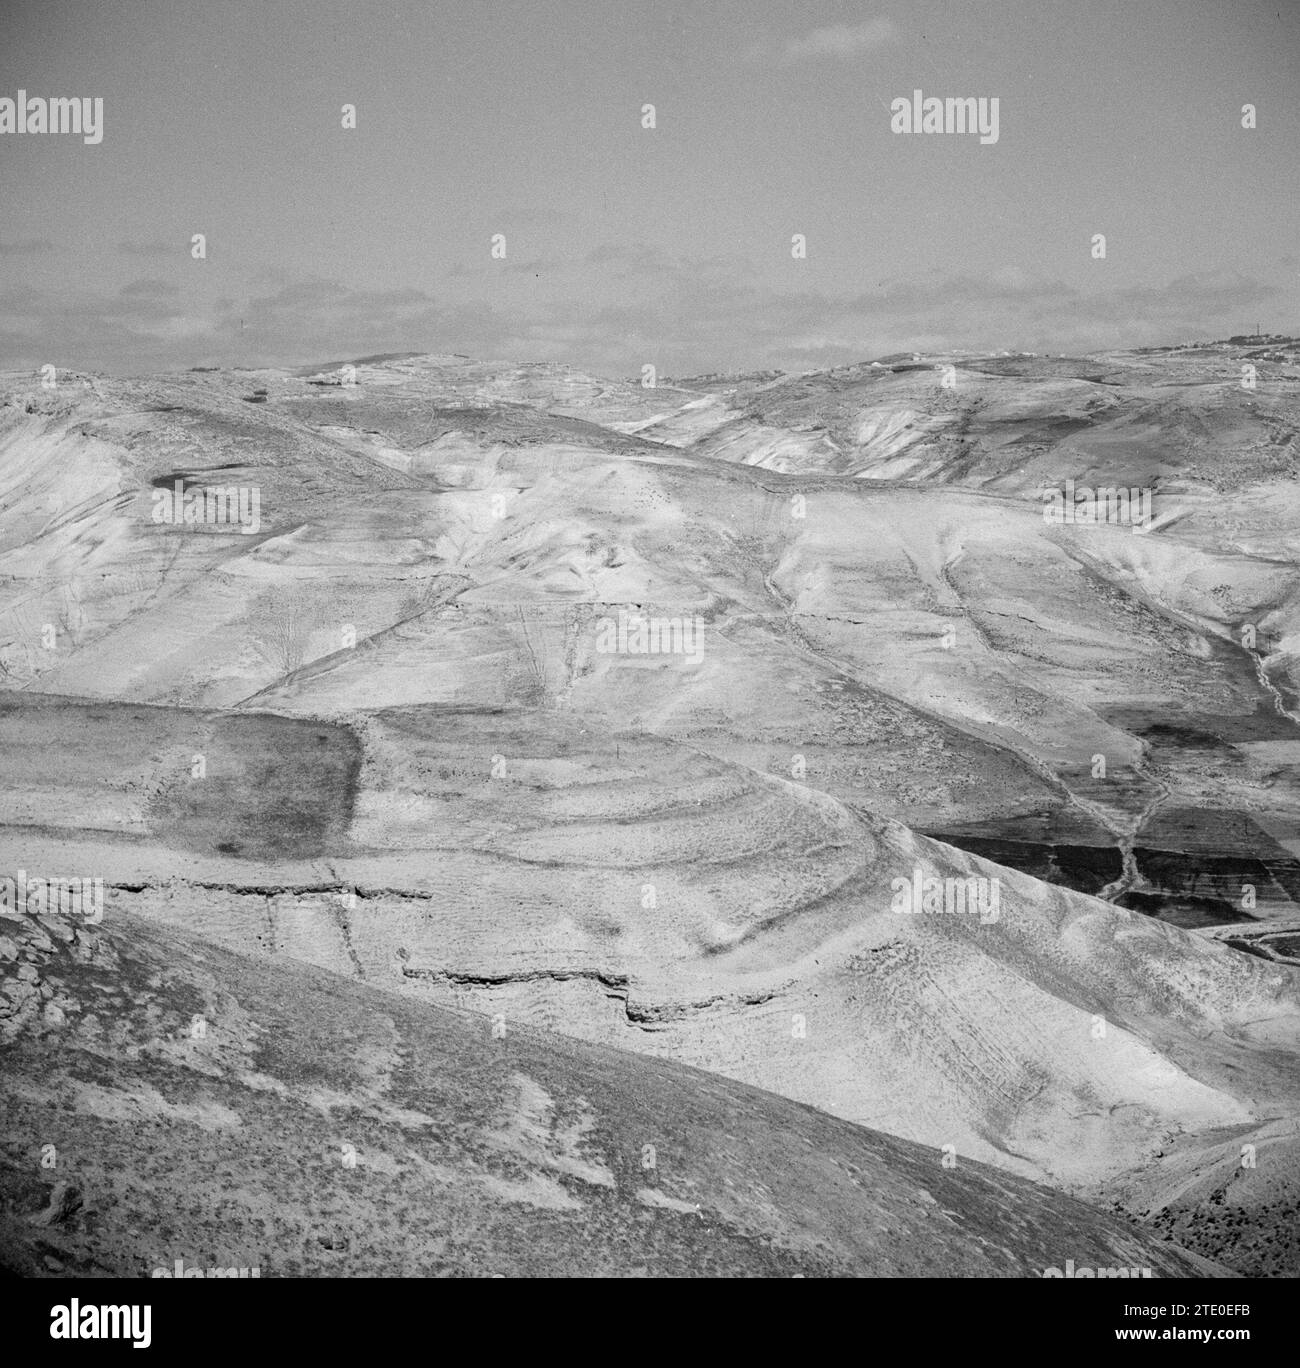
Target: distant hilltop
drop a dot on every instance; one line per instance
(1238, 340)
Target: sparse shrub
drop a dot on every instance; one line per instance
(280, 625)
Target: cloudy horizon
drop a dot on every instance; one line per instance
(625, 245)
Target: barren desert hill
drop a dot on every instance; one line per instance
(167, 1100)
(427, 541)
(1017, 421)
(628, 890)
(380, 726)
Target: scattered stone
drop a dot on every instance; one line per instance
(56, 926)
(36, 937)
(65, 1201)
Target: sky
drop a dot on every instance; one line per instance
(625, 245)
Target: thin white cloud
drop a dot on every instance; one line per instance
(838, 41)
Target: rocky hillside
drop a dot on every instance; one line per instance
(166, 1100)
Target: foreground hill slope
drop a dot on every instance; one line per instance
(228, 1112)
